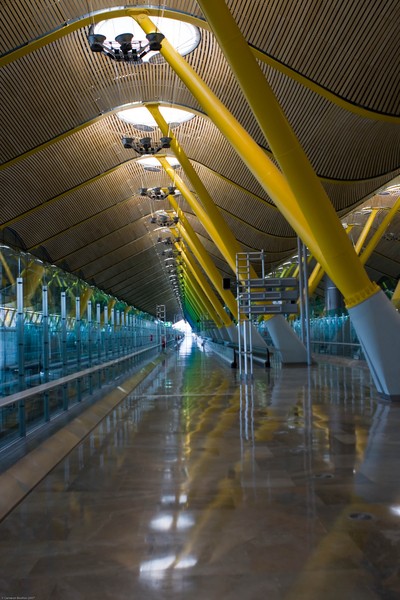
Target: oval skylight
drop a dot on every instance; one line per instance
(184, 37)
(142, 119)
(151, 162)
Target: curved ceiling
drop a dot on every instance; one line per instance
(70, 191)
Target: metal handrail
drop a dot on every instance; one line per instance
(45, 387)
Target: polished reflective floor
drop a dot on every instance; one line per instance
(201, 486)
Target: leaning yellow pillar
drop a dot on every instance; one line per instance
(223, 316)
(396, 296)
(202, 257)
(374, 241)
(33, 276)
(374, 318)
(339, 259)
(366, 229)
(252, 155)
(205, 287)
(225, 242)
(87, 294)
(218, 330)
(196, 302)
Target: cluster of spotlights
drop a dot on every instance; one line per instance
(157, 193)
(163, 219)
(125, 48)
(145, 145)
(391, 237)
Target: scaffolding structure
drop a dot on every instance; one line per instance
(257, 296)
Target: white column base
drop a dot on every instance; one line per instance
(377, 324)
(233, 333)
(286, 342)
(223, 332)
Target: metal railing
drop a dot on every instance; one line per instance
(29, 409)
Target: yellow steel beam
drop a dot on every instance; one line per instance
(225, 242)
(366, 229)
(202, 257)
(7, 269)
(200, 309)
(87, 294)
(333, 250)
(318, 272)
(254, 157)
(207, 212)
(33, 276)
(204, 285)
(375, 239)
(206, 303)
(396, 296)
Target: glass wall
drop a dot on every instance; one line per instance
(53, 325)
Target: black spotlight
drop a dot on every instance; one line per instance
(155, 40)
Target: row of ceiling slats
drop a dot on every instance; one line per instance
(343, 46)
(102, 229)
(25, 20)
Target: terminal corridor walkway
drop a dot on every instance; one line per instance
(200, 486)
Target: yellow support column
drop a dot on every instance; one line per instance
(223, 238)
(33, 276)
(223, 316)
(252, 155)
(396, 296)
(366, 230)
(205, 302)
(7, 269)
(195, 302)
(87, 294)
(374, 241)
(338, 257)
(202, 257)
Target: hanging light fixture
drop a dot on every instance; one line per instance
(123, 40)
(157, 193)
(145, 145)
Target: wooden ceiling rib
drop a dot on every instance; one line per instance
(73, 189)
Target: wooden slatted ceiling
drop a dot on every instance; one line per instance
(256, 212)
(107, 273)
(28, 20)
(91, 242)
(318, 129)
(65, 85)
(344, 46)
(74, 207)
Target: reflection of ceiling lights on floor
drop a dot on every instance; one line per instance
(123, 40)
